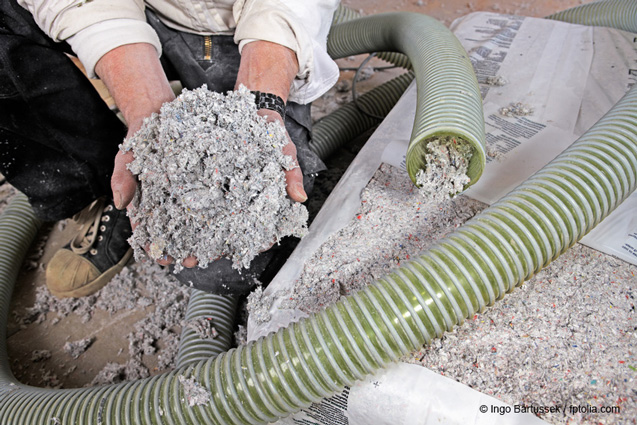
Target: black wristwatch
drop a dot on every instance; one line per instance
(269, 101)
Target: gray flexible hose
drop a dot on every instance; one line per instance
(347, 122)
(618, 14)
(215, 312)
(17, 231)
(344, 14)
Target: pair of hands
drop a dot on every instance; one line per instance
(136, 81)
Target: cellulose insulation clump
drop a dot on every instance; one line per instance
(212, 181)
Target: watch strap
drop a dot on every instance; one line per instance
(269, 101)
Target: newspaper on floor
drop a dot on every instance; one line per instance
(555, 80)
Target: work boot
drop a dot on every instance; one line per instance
(97, 253)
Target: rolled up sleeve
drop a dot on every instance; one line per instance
(302, 26)
(92, 28)
(93, 42)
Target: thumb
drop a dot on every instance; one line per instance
(123, 183)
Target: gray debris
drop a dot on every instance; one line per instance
(496, 80)
(212, 180)
(241, 335)
(119, 294)
(195, 394)
(343, 86)
(445, 173)
(517, 109)
(40, 355)
(393, 223)
(141, 285)
(564, 338)
(49, 379)
(7, 192)
(135, 370)
(366, 73)
(203, 327)
(169, 299)
(46, 303)
(493, 153)
(76, 348)
(258, 305)
(112, 373)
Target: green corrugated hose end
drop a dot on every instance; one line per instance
(417, 151)
(449, 102)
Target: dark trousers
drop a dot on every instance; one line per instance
(58, 138)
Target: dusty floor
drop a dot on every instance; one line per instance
(109, 331)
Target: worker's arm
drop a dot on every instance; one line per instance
(137, 82)
(271, 68)
(302, 27)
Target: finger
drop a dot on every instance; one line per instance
(123, 183)
(165, 260)
(294, 177)
(190, 262)
(294, 182)
(131, 212)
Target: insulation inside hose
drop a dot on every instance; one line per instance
(286, 371)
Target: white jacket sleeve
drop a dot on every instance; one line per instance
(94, 27)
(299, 25)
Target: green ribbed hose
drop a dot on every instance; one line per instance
(345, 14)
(448, 96)
(288, 370)
(220, 310)
(17, 231)
(347, 122)
(618, 14)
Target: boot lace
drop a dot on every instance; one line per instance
(89, 221)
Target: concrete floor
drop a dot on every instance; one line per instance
(111, 331)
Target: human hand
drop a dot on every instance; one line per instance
(293, 176)
(271, 68)
(216, 200)
(137, 82)
(124, 186)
